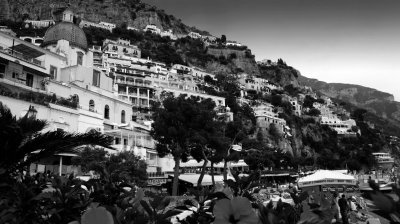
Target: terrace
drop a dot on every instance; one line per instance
(24, 53)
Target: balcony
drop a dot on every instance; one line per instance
(151, 162)
(121, 147)
(145, 144)
(156, 174)
(30, 58)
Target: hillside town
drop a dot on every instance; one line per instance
(112, 90)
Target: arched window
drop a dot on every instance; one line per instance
(91, 105)
(107, 112)
(123, 117)
(79, 58)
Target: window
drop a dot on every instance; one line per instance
(117, 141)
(2, 70)
(53, 72)
(91, 105)
(123, 116)
(79, 59)
(107, 112)
(125, 141)
(96, 78)
(29, 79)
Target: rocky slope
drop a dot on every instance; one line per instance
(130, 12)
(355, 94)
(380, 103)
(383, 111)
(282, 75)
(242, 61)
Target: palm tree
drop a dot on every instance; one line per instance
(19, 138)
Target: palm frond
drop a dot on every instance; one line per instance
(49, 143)
(31, 125)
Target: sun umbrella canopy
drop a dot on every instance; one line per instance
(323, 177)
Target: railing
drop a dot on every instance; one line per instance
(152, 162)
(132, 93)
(156, 174)
(144, 143)
(21, 56)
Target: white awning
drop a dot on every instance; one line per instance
(193, 178)
(194, 163)
(323, 177)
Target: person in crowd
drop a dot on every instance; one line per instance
(352, 203)
(344, 206)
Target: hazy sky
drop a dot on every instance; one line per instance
(347, 41)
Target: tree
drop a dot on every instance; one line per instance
(223, 39)
(122, 167)
(281, 62)
(274, 132)
(276, 100)
(181, 126)
(89, 156)
(20, 137)
(308, 102)
(314, 112)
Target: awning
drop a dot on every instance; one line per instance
(275, 174)
(194, 163)
(27, 51)
(323, 177)
(66, 154)
(193, 178)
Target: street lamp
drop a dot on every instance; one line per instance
(31, 112)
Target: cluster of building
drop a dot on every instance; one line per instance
(155, 30)
(110, 89)
(101, 25)
(336, 117)
(107, 89)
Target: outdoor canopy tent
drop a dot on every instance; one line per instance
(193, 178)
(194, 163)
(326, 177)
(327, 184)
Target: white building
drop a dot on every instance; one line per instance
(132, 28)
(152, 28)
(110, 26)
(265, 116)
(36, 24)
(121, 47)
(66, 89)
(168, 33)
(296, 106)
(341, 127)
(251, 84)
(233, 43)
(101, 25)
(194, 35)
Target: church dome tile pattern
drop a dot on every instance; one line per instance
(66, 31)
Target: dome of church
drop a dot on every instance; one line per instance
(66, 31)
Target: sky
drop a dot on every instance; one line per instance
(345, 41)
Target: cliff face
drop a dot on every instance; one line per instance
(242, 60)
(354, 94)
(282, 75)
(379, 103)
(130, 12)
